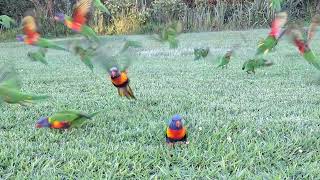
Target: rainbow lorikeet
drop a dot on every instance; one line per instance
(39, 56)
(10, 89)
(252, 64)
(302, 43)
(175, 132)
(120, 80)
(117, 67)
(32, 37)
(200, 53)
(169, 34)
(78, 20)
(64, 120)
(274, 35)
(225, 60)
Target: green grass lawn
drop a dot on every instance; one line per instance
(240, 126)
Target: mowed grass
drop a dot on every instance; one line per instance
(240, 126)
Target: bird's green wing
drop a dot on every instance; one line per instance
(6, 21)
(9, 77)
(65, 116)
(276, 5)
(99, 5)
(129, 43)
(46, 43)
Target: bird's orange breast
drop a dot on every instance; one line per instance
(176, 134)
(60, 124)
(122, 80)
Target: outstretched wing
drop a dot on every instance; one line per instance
(277, 23)
(81, 10)
(313, 27)
(6, 21)
(9, 78)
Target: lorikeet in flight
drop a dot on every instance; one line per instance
(10, 89)
(117, 68)
(32, 37)
(120, 80)
(302, 43)
(39, 56)
(78, 20)
(64, 120)
(252, 64)
(169, 34)
(200, 53)
(6, 21)
(176, 132)
(274, 35)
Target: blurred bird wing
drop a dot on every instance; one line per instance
(280, 20)
(81, 10)
(130, 43)
(101, 6)
(29, 25)
(9, 78)
(107, 59)
(6, 21)
(276, 4)
(313, 27)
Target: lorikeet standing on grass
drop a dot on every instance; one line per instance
(169, 34)
(303, 43)
(252, 64)
(78, 21)
(39, 56)
(10, 89)
(200, 53)
(225, 60)
(32, 37)
(175, 132)
(64, 120)
(274, 35)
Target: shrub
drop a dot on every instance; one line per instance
(166, 10)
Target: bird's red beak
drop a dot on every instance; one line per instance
(178, 124)
(113, 74)
(38, 126)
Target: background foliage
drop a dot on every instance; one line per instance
(144, 16)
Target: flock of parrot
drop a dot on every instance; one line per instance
(94, 50)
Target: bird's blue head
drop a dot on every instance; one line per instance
(43, 122)
(60, 17)
(20, 38)
(176, 122)
(114, 72)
